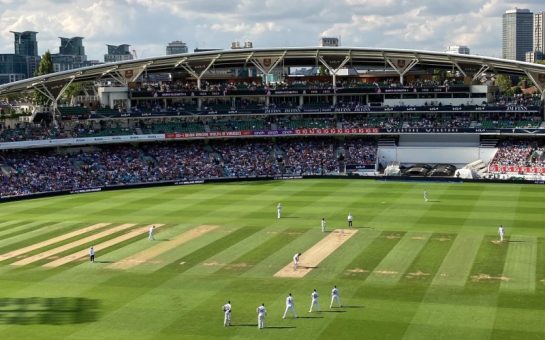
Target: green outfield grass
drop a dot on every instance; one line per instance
(414, 269)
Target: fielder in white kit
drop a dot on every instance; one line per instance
(501, 232)
(151, 233)
(335, 297)
(290, 306)
(323, 225)
(227, 314)
(261, 312)
(279, 210)
(314, 303)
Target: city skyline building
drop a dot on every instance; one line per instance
(118, 53)
(517, 38)
(176, 47)
(539, 36)
(459, 49)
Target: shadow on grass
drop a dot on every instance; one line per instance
(105, 261)
(310, 317)
(334, 311)
(353, 306)
(48, 311)
(278, 327)
(245, 325)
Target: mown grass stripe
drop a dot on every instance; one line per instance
(260, 251)
(395, 264)
(457, 265)
(71, 245)
(520, 264)
(100, 246)
(51, 241)
(427, 263)
(369, 257)
(22, 229)
(11, 223)
(209, 250)
(487, 271)
(160, 248)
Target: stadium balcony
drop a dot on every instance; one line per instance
(74, 112)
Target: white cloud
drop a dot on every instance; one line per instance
(148, 25)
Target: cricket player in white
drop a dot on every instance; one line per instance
(151, 231)
(323, 225)
(349, 220)
(227, 312)
(290, 306)
(335, 297)
(92, 254)
(279, 210)
(296, 260)
(501, 232)
(314, 302)
(425, 196)
(261, 312)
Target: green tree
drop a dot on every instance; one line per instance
(504, 82)
(44, 67)
(72, 91)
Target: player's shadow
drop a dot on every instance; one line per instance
(334, 311)
(515, 241)
(279, 327)
(244, 325)
(308, 267)
(434, 201)
(310, 317)
(104, 261)
(291, 217)
(352, 306)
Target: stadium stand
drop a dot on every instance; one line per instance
(76, 169)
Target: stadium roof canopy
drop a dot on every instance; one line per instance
(333, 58)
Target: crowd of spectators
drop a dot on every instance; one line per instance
(150, 125)
(519, 152)
(28, 172)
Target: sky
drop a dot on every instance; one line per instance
(148, 25)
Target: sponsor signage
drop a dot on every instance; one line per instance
(496, 168)
(358, 109)
(289, 92)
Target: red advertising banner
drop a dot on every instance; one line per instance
(334, 131)
(306, 132)
(517, 169)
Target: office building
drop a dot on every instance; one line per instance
(539, 34)
(517, 34)
(176, 47)
(118, 53)
(329, 42)
(458, 49)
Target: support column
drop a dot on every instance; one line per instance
(185, 65)
(266, 65)
(334, 72)
(401, 66)
(54, 99)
